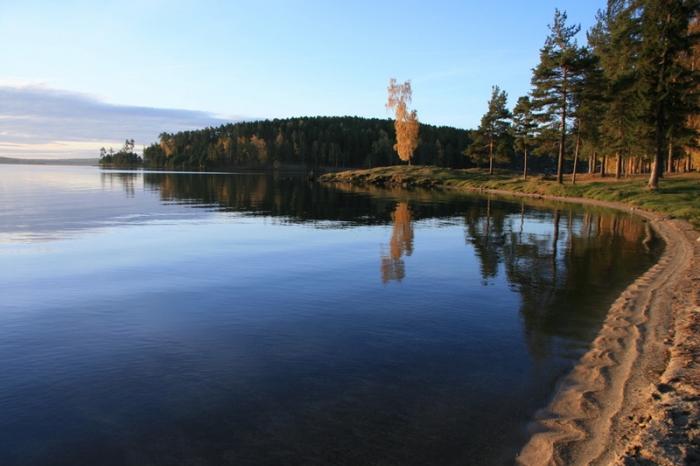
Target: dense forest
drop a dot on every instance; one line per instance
(310, 142)
(626, 102)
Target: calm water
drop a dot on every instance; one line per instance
(204, 319)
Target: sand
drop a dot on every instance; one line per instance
(633, 397)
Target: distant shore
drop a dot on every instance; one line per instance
(15, 161)
(633, 397)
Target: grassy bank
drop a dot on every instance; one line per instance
(678, 195)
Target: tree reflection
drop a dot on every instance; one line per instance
(566, 266)
(485, 231)
(393, 266)
(567, 263)
(126, 180)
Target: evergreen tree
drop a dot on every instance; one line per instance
(589, 105)
(665, 82)
(692, 62)
(615, 40)
(556, 79)
(524, 129)
(492, 138)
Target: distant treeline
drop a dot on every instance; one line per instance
(309, 142)
(14, 161)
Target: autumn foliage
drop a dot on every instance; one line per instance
(406, 123)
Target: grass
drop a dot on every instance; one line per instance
(678, 195)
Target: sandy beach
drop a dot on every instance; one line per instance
(633, 397)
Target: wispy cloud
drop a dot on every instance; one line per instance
(43, 122)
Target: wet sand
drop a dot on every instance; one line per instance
(633, 397)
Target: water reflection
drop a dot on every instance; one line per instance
(223, 317)
(560, 268)
(126, 180)
(393, 267)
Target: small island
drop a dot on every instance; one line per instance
(124, 158)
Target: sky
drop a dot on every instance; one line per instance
(79, 75)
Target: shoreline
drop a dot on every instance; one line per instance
(633, 397)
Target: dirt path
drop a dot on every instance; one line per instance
(633, 398)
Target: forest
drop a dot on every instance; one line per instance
(629, 95)
(625, 102)
(309, 142)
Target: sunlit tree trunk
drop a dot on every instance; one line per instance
(578, 145)
(562, 136)
(603, 164)
(525, 164)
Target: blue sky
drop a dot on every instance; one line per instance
(77, 75)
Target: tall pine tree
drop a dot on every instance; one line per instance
(588, 104)
(557, 77)
(692, 61)
(524, 129)
(665, 85)
(492, 138)
(615, 40)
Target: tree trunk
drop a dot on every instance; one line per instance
(618, 157)
(670, 158)
(562, 141)
(525, 164)
(658, 165)
(656, 170)
(562, 137)
(578, 145)
(603, 163)
(592, 163)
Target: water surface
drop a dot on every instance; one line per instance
(180, 318)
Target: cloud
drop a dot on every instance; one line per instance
(37, 121)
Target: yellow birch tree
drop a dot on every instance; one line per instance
(406, 123)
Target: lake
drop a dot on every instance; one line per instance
(251, 319)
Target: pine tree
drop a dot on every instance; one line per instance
(556, 79)
(665, 83)
(615, 41)
(589, 107)
(492, 138)
(692, 62)
(524, 129)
